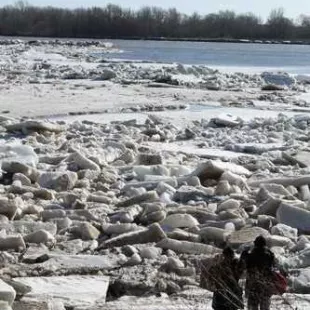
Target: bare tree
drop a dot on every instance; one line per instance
(113, 21)
(279, 27)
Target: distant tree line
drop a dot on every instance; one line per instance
(114, 21)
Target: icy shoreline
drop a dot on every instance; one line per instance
(138, 171)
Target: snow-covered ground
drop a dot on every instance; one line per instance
(92, 149)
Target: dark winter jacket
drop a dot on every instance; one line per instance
(259, 263)
(228, 293)
(261, 260)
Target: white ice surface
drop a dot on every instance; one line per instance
(73, 291)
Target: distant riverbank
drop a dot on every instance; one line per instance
(220, 40)
(169, 39)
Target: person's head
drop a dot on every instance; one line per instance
(260, 242)
(228, 253)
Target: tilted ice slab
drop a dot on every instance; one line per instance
(294, 216)
(280, 78)
(16, 152)
(192, 150)
(72, 262)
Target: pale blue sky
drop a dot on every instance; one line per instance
(293, 8)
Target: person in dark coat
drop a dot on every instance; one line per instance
(226, 275)
(259, 263)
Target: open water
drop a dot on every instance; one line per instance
(229, 56)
